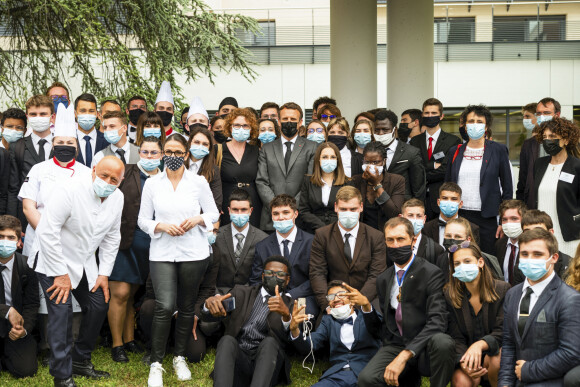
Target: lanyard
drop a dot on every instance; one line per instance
(405, 273)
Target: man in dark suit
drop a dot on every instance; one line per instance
(292, 243)
(433, 144)
(347, 250)
(541, 320)
(91, 141)
(528, 155)
(416, 344)
(251, 352)
(507, 248)
(18, 303)
(351, 345)
(283, 163)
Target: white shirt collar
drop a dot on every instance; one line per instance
(291, 237)
(435, 135)
(36, 138)
(92, 134)
(264, 294)
(416, 247)
(540, 286)
(353, 232)
(124, 147)
(244, 232)
(9, 265)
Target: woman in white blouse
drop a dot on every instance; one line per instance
(178, 212)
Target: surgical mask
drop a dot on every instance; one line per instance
(385, 139)
(86, 121)
(289, 129)
(211, 237)
(7, 248)
(475, 131)
(64, 153)
(431, 121)
(533, 269)
(241, 135)
(173, 162)
(316, 137)
(339, 141)
(377, 169)
(552, 147)
(112, 136)
(512, 230)
(348, 219)
(543, 118)
(266, 137)
(362, 139)
(328, 166)
(417, 225)
(240, 220)
(404, 131)
(528, 124)
(448, 208)
(466, 272)
(400, 255)
(102, 188)
(198, 151)
(134, 115)
(269, 284)
(283, 226)
(12, 135)
(166, 117)
(39, 124)
(341, 312)
(152, 132)
(149, 164)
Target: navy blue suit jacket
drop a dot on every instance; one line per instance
(495, 168)
(299, 285)
(364, 347)
(550, 343)
(101, 144)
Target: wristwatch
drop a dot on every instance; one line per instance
(377, 187)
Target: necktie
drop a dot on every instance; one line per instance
(288, 154)
(346, 321)
(511, 264)
(430, 148)
(88, 151)
(286, 250)
(347, 251)
(524, 310)
(3, 322)
(121, 154)
(41, 152)
(441, 223)
(399, 312)
(239, 247)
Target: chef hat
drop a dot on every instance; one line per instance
(65, 124)
(165, 94)
(196, 107)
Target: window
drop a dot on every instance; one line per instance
(267, 38)
(454, 30)
(513, 29)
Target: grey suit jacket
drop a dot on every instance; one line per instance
(133, 153)
(272, 177)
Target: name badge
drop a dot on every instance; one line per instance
(567, 177)
(438, 155)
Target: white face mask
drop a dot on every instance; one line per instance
(512, 230)
(385, 139)
(341, 312)
(373, 168)
(39, 124)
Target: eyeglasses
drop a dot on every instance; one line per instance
(340, 295)
(317, 130)
(147, 153)
(466, 157)
(462, 245)
(169, 153)
(279, 274)
(237, 126)
(21, 128)
(327, 116)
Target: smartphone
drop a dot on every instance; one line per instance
(301, 303)
(229, 304)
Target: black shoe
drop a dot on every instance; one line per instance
(133, 347)
(146, 359)
(69, 382)
(45, 357)
(119, 355)
(87, 369)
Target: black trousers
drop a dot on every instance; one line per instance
(259, 368)
(436, 361)
(60, 322)
(487, 229)
(19, 357)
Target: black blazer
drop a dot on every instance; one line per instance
(431, 229)
(407, 162)
(4, 180)
(567, 195)
(461, 323)
(423, 308)
(495, 168)
(312, 212)
(528, 156)
(429, 249)
(131, 188)
(435, 177)
(25, 295)
(356, 162)
(100, 144)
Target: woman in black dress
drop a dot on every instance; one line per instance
(239, 161)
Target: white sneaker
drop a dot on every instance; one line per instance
(155, 375)
(181, 369)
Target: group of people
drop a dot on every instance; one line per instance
(389, 247)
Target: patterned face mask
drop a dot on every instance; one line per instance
(173, 162)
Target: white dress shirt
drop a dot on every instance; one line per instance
(100, 155)
(417, 241)
(131, 133)
(291, 237)
(395, 287)
(325, 192)
(160, 203)
(391, 152)
(73, 226)
(435, 137)
(284, 141)
(347, 333)
(346, 160)
(352, 239)
(83, 143)
(195, 166)
(47, 145)
(537, 291)
(506, 259)
(244, 232)
(441, 231)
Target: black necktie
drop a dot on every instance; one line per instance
(121, 154)
(41, 153)
(346, 321)
(88, 151)
(3, 322)
(288, 154)
(511, 263)
(524, 310)
(347, 252)
(441, 223)
(286, 250)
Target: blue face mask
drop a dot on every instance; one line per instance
(198, 151)
(12, 135)
(543, 118)
(112, 136)
(102, 188)
(7, 248)
(448, 208)
(149, 164)
(240, 220)
(266, 137)
(316, 137)
(348, 219)
(155, 132)
(466, 272)
(533, 269)
(241, 135)
(86, 121)
(475, 131)
(417, 225)
(211, 237)
(528, 124)
(328, 166)
(283, 226)
(62, 99)
(362, 139)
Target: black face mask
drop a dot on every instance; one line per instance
(400, 255)
(339, 141)
(463, 133)
(552, 147)
(403, 131)
(134, 115)
(430, 122)
(269, 283)
(448, 242)
(64, 153)
(289, 129)
(219, 137)
(166, 117)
